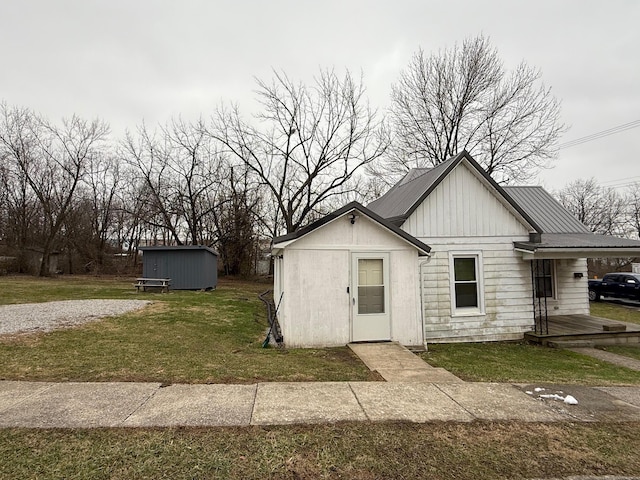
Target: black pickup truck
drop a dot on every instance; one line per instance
(617, 285)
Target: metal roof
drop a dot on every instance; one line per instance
(579, 240)
(405, 196)
(179, 247)
(547, 212)
(578, 245)
(407, 192)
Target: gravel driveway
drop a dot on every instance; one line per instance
(31, 317)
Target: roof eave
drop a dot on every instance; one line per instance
(285, 240)
(533, 252)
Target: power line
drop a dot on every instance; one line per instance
(601, 134)
(625, 181)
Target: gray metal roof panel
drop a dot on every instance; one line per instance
(178, 247)
(581, 241)
(545, 210)
(404, 194)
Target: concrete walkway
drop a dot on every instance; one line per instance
(397, 364)
(87, 405)
(609, 357)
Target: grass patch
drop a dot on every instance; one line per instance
(184, 337)
(357, 451)
(520, 362)
(615, 311)
(26, 289)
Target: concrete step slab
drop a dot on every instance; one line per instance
(397, 364)
(420, 375)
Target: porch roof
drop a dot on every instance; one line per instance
(578, 245)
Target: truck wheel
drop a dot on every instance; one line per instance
(594, 296)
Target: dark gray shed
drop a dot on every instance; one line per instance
(190, 267)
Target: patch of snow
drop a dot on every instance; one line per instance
(570, 400)
(553, 396)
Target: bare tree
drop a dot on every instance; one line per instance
(237, 225)
(306, 146)
(90, 225)
(633, 213)
(601, 209)
(462, 98)
(20, 218)
(52, 160)
(181, 172)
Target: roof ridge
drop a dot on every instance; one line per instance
(425, 170)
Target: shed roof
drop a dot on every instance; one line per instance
(178, 247)
(422, 248)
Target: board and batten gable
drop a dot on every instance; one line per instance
(464, 205)
(466, 216)
(314, 275)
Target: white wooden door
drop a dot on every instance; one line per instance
(371, 319)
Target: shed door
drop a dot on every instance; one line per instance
(371, 319)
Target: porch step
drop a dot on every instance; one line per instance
(614, 327)
(570, 344)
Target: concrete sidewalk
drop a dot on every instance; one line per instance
(87, 405)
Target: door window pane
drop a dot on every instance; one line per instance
(370, 286)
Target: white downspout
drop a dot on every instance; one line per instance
(421, 281)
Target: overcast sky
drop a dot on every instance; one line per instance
(126, 61)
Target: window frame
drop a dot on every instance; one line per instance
(479, 269)
(554, 277)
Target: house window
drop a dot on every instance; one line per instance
(466, 285)
(543, 275)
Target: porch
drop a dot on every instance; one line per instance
(583, 330)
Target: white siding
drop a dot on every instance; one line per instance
(463, 206)
(465, 214)
(316, 310)
(571, 293)
(508, 311)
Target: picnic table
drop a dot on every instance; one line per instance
(145, 282)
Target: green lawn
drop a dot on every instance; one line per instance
(474, 451)
(615, 311)
(520, 362)
(183, 337)
(216, 337)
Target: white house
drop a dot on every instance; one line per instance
(348, 277)
(446, 255)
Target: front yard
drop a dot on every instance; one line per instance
(183, 337)
(198, 337)
(216, 337)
